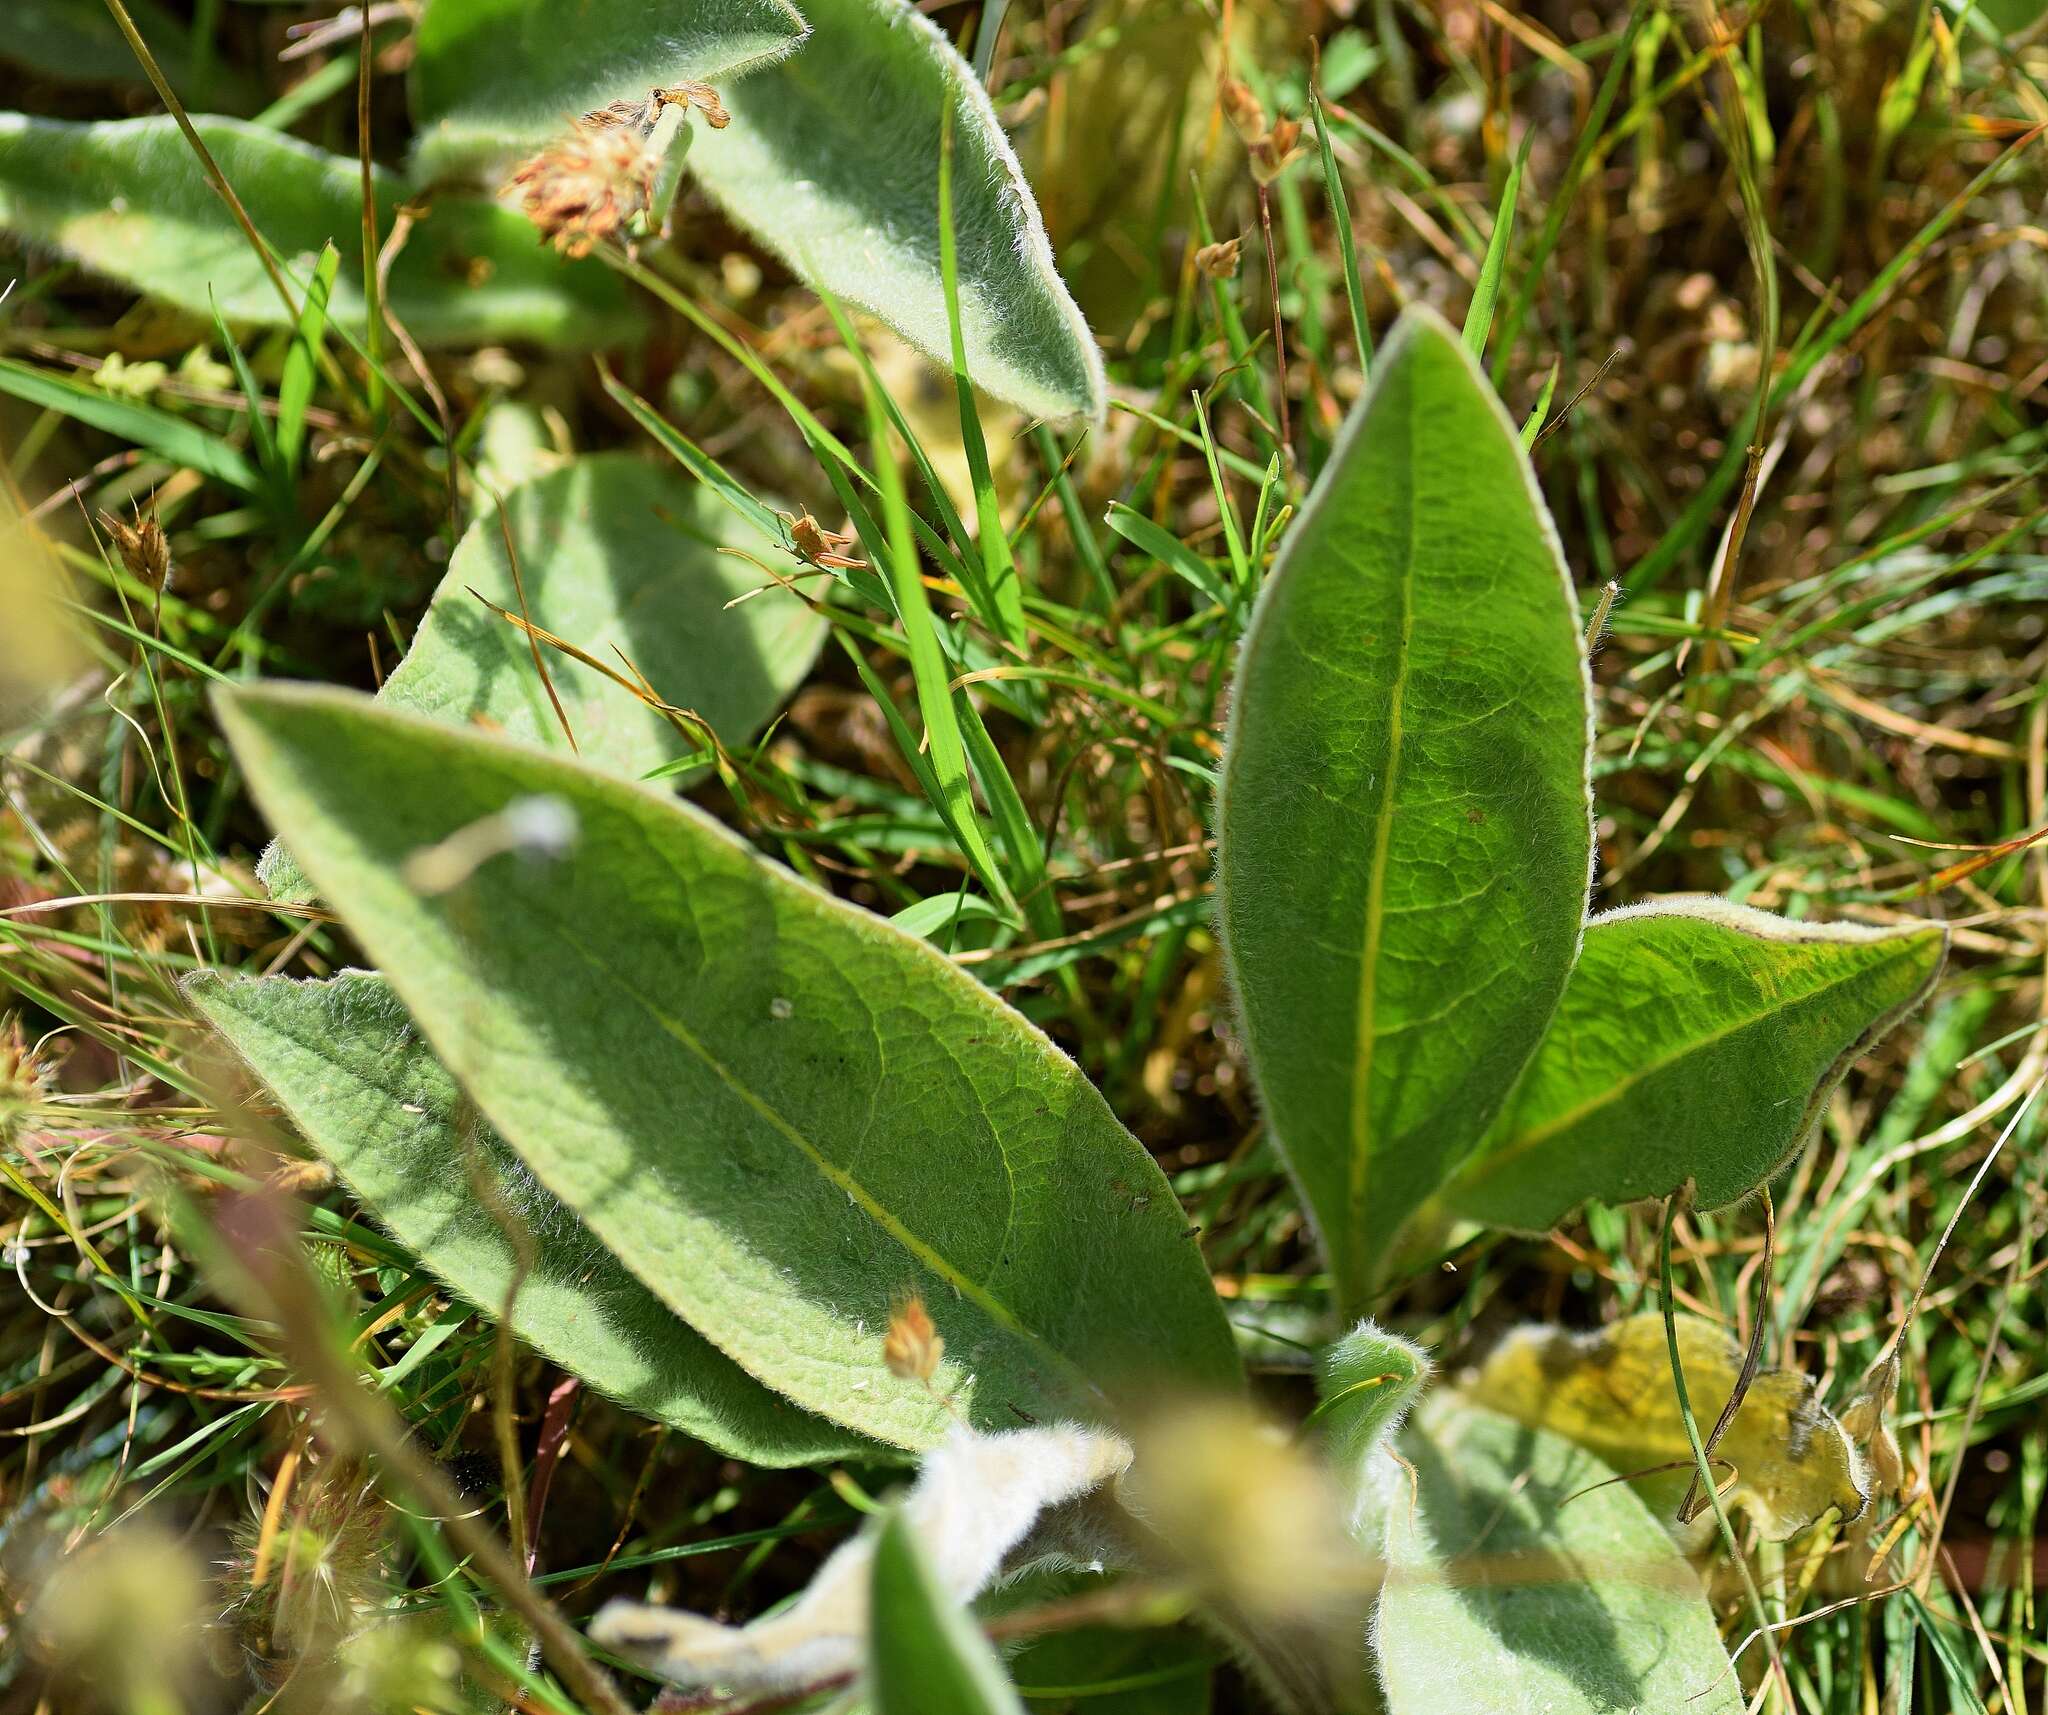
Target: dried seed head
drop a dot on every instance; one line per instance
(1219, 260)
(584, 187)
(24, 1076)
(1242, 108)
(1272, 153)
(913, 1347)
(145, 550)
(700, 96)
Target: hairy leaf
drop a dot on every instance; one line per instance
(1404, 824)
(363, 1088)
(491, 75)
(623, 559)
(832, 161)
(925, 1656)
(1502, 1599)
(779, 1111)
(1696, 1044)
(1786, 1456)
(128, 199)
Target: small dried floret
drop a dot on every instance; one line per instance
(583, 188)
(145, 549)
(700, 96)
(1272, 153)
(1219, 261)
(1242, 109)
(913, 1347)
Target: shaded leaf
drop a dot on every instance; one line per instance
(832, 161)
(77, 41)
(1697, 1043)
(925, 1656)
(1501, 1599)
(363, 1088)
(1611, 1392)
(615, 554)
(128, 199)
(779, 1111)
(1404, 821)
(491, 75)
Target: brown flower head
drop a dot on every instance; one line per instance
(584, 187)
(1273, 153)
(1242, 108)
(145, 550)
(1219, 261)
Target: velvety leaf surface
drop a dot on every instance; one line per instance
(925, 1656)
(127, 198)
(779, 1111)
(1697, 1041)
(614, 552)
(1404, 820)
(832, 161)
(363, 1088)
(491, 75)
(1500, 1600)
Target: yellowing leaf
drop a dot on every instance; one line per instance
(1611, 1392)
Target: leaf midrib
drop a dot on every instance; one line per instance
(892, 1224)
(1526, 1141)
(1375, 898)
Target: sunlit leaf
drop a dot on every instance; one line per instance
(1611, 1391)
(491, 75)
(1404, 821)
(128, 199)
(366, 1092)
(832, 161)
(779, 1111)
(1696, 1044)
(627, 561)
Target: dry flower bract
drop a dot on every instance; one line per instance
(1219, 261)
(913, 1347)
(583, 188)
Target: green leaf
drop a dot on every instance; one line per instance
(77, 41)
(145, 426)
(1697, 1042)
(832, 161)
(128, 199)
(780, 1112)
(925, 1656)
(489, 76)
(363, 1089)
(618, 556)
(1404, 825)
(1503, 1600)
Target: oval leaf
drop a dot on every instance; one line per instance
(832, 161)
(491, 75)
(779, 1111)
(925, 1656)
(1696, 1044)
(362, 1087)
(1405, 832)
(623, 559)
(1502, 1600)
(128, 199)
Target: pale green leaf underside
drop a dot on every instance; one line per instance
(622, 558)
(1405, 830)
(1501, 1601)
(832, 161)
(925, 1656)
(1696, 1042)
(492, 75)
(127, 199)
(363, 1088)
(780, 1112)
